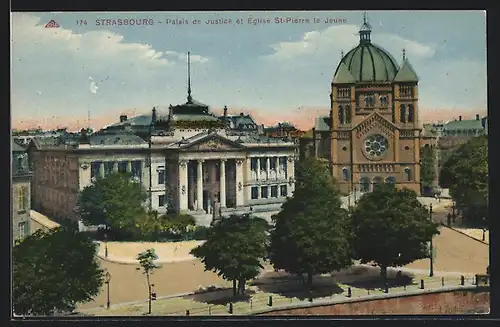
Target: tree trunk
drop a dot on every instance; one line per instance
(241, 286)
(149, 297)
(234, 286)
(383, 273)
(309, 284)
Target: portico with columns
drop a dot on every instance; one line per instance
(214, 169)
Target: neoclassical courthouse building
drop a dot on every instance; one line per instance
(373, 134)
(186, 158)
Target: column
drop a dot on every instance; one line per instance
(240, 200)
(268, 168)
(183, 185)
(115, 166)
(199, 185)
(290, 166)
(129, 166)
(101, 169)
(223, 183)
(258, 168)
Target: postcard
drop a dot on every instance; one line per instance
(249, 163)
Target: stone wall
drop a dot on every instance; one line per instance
(458, 301)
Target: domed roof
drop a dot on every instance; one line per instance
(369, 62)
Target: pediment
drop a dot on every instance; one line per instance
(213, 143)
(375, 122)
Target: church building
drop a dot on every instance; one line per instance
(374, 128)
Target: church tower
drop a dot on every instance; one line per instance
(374, 119)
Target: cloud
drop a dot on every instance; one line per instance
(183, 57)
(343, 37)
(50, 68)
(93, 86)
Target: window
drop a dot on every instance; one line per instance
(264, 192)
(283, 190)
(274, 191)
(364, 184)
(272, 163)
(383, 101)
(94, 169)
(108, 167)
(263, 165)
(347, 114)
(390, 180)
(22, 198)
(410, 113)
(161, 200)
(346, 176)
(161, 175)
(255, 193)
(407, 173)
(122, 166)
(136, 169)
(341, 115)
(253, 164)
(377, 181)
(22, 228)
(402, 113)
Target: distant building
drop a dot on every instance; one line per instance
(21, 177)
(283, 130)
(188, 159)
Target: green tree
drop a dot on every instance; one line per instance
(53, 271)
(427, 168)
(391, 228)
(116, 201)
(311, 232)
(234, 249)
(148, 265)
(465, 173)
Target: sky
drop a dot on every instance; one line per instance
(251, 62)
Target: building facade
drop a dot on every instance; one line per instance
(189, 161)
(21, 178)
(374, 119)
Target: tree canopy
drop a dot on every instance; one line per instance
(391, 227)
(311, 232)
(116, 201)
(54, 271)
(234, 249)
(465, 173)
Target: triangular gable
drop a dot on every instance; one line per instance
(375, 120)
(406, 73)
(212, 142)
(343, 75)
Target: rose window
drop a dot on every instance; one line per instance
(376, 146)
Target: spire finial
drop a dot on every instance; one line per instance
(365, 18)
(189, 98)
(364, 32)
(404, 54)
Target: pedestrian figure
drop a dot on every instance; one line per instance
(448, 219)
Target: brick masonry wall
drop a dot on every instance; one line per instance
(450, 302)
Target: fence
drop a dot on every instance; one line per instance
(260, 300)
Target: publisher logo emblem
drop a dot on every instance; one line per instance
(51, 24)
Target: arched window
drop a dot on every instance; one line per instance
(348, 114)
(341, 115)
(346, 175)
(407, 173)
(377, 181)
(411, 113)
(390, 180)
(364, 184)
(402, 113)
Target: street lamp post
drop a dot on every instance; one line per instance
(431, 257)
(107, 280)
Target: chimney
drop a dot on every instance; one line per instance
(225, 111)
(477, 116)
(170, 112)
(123, 118)
(459, 118)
